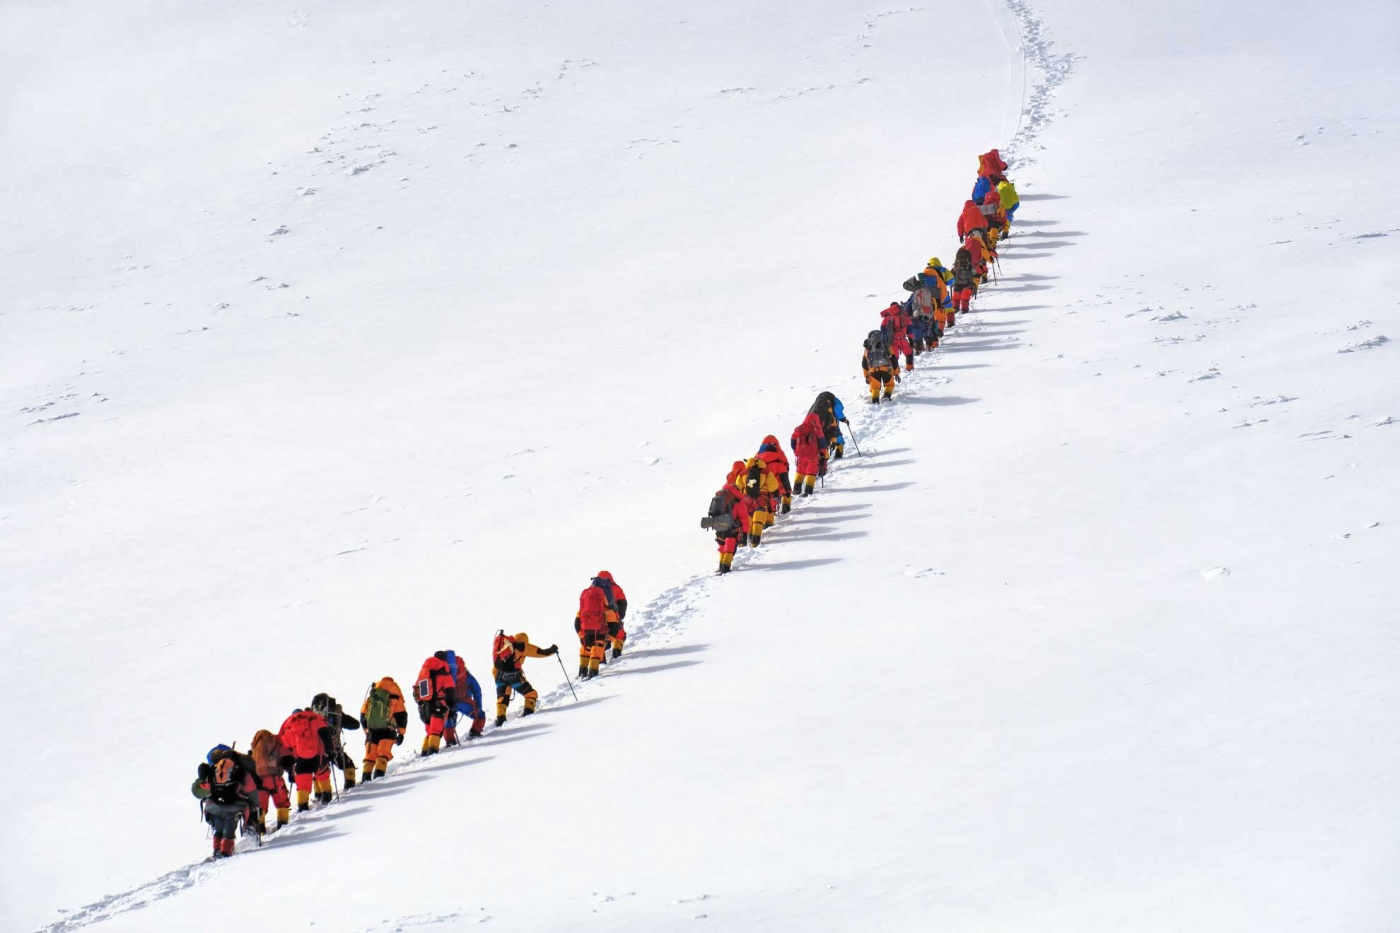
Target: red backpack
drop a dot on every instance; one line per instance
(502, 650)
(593, 607)
(300, 734)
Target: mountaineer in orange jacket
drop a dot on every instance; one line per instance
(385, 720)
(878, 364)
(435, 690)
(266, 753)
(771, 452)
(977, 250)
(508, 654)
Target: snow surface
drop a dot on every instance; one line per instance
(337, 334)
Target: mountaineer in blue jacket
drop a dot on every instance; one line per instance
(467, 701)
(979, 190)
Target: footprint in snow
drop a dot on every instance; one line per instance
(1215, 573)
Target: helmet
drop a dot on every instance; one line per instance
(935, 262)
(221, 747)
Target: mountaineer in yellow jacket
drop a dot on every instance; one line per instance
(1009, 199)
(761, 491)
(508, 654)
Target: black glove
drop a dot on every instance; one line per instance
(363, 724)
(551, 650)
(204, 770)
(398, 740)
(424, 712)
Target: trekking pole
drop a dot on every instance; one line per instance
(566, 676)
(855, 442)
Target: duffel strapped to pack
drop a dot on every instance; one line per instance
(877, 348)
(721, 516)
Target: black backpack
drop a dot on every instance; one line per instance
(877, 348)
(962, 269)
(753, 482)
(721, 515)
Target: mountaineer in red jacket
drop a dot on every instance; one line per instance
(895, 322)
(617, 610)
(970, 219)
(730, 520)
(808, 442)
(591, 624)
(435, 689)
(990, 165)
(306, 742)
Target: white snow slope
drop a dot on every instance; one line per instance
(335, 335)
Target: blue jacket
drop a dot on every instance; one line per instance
(473, 688)
(979, 190)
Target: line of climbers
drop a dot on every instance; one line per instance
(938, 294)
(760, 488)
(237, 788)
(747, 504)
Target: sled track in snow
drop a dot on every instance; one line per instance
(664, 617)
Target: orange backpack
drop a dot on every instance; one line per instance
(225, 773)
(266, 751)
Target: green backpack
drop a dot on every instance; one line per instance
(378, 712)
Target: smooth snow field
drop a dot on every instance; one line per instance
(337, 333)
